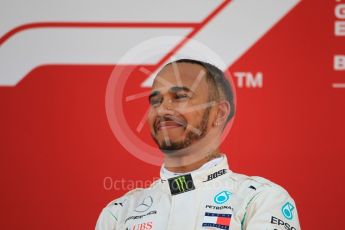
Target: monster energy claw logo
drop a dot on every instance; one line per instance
(181, 184)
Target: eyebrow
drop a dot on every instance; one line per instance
(180, 88)
(173, 89)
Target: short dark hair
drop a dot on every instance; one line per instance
(222, 88)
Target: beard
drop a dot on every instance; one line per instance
(168, 147)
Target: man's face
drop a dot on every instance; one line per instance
(179, 106)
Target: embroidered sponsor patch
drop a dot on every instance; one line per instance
(217, 220)
(181, 184)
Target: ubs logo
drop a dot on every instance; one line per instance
(143, 226)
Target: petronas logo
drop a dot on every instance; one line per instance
(181, 184)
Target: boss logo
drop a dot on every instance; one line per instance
(216, 174)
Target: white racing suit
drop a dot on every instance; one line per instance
(215, 198)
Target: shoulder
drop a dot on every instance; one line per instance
(253, 186)
(131, 196)
(116, 205)
(266, 202)
(122, 200)
(115, 209)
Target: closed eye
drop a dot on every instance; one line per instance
(182, 96)
(154, 101)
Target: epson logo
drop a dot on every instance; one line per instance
(279, 222)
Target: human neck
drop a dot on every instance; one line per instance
(187, 162)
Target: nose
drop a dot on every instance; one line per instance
(166, 104)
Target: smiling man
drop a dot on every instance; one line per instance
(191, 104)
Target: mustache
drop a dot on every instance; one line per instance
(169, 117)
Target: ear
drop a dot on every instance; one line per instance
(223, 112)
